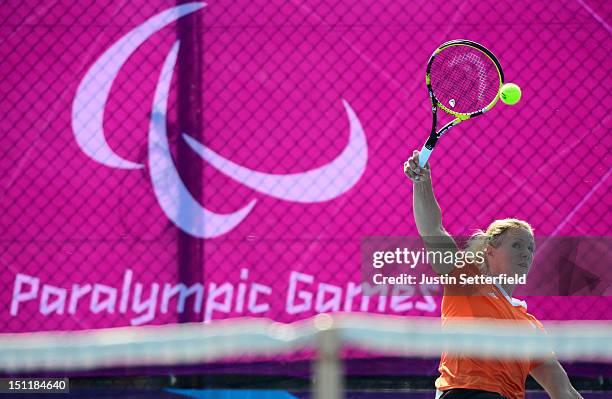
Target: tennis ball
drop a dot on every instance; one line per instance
(510, 93)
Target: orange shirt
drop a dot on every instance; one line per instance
(503, 376)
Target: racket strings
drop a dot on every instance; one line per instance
(464, 79)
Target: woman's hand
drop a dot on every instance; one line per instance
(414, 171)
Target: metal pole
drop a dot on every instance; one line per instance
(328, 380)
(190, 255)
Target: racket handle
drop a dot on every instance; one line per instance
(424, 155)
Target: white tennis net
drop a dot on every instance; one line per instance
(326, 334)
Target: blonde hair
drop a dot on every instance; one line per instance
(492, 236)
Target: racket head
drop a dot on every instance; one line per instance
(464, 78)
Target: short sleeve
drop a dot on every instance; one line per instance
(535, 362)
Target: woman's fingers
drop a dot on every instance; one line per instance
(415, 156)
(412, 175)
(408, 171)
(413, 170)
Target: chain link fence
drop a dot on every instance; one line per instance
(166, 162)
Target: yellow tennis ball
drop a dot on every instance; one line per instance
(510, 93)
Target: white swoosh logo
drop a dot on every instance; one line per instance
(320, 184)
(93, 91)
(184, 210)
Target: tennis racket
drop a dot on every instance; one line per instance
(463, 79)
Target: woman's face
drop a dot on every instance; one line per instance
(513, 255)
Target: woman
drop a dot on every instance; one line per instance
(508, 247)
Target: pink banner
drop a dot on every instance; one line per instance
(304, 114)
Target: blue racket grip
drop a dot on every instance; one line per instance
(424, 156)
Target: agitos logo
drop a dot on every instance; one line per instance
(331, 180)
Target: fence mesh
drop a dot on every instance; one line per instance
(249, 168)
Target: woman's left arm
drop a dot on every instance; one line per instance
(551, 376)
